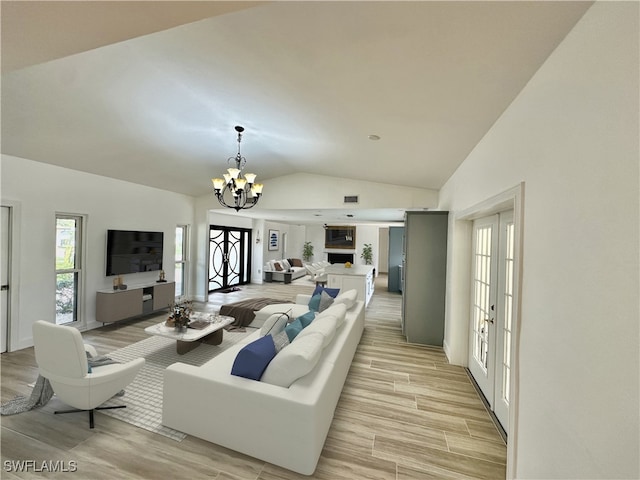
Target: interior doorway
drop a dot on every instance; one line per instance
(511, 200)
(5, 260)
(229, 257)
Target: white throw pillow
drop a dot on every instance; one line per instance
(285, 264)
(325, 327)
(294, 361)
(348, 298)
(339, 311)
(275, 323)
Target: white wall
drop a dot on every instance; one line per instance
(295, 235)
(367, 234)
(572, 137)
(364, 234)
(43, 190)
(383, 250)
(315, 235)
(319, 191)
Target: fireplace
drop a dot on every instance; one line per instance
(340, 257)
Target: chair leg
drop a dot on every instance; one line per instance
(91, 420)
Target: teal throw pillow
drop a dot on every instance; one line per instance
(293, 329)
(307, 318)
(314, 303)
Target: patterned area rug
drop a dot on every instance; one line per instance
(143, 397)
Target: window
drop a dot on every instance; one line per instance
(181, 258)
(68, 267)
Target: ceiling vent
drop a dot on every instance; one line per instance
(351, 199)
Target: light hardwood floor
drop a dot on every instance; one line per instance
(405, 413)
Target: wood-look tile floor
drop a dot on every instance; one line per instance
(404, 413)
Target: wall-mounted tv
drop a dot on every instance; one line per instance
(132, 251)
(340, 237)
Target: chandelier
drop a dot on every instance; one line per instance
(237, 190)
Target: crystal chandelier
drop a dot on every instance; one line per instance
(239, 189)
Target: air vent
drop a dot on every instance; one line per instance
(351, 199)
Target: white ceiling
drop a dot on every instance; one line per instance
(132, 90)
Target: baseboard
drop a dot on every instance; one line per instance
(494, 419)
(447, 350)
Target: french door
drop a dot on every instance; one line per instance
(490, 342)
(229, 257)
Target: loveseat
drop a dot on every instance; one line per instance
(274, 270)
(283, 426)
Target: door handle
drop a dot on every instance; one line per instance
(489, 320)
(4, 288)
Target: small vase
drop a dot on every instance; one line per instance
(180, 328)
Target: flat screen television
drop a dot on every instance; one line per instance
(340, 237)
(132, 251)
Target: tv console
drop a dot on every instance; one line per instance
(115, 305)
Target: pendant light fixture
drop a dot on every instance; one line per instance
(237, 190)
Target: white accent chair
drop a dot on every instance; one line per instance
(316, 272)
(61, 358)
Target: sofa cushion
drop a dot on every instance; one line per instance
(347, 297)
(326, 327)
(333, 292)
(294, 361)
(285, 264)
(296, 262)
(292, 309)
(252, 360)
(339, 311)
(277, 266)
(275, 324)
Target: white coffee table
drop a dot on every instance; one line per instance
(191, 338)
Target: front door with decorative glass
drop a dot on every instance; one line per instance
(229, 257)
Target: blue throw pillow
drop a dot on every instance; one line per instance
(307, 318)
(253, 359)
(293, 329)
(314, 303)
(333, 292)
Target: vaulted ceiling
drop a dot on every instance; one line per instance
(149, 92)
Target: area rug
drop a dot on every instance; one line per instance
(230, 290)
(143, 397)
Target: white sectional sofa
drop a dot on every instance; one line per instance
(285, 265)
(282, 426)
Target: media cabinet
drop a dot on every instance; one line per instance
(115, 305)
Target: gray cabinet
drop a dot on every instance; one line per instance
(115, 305)
(396, 248)
(424, 271)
